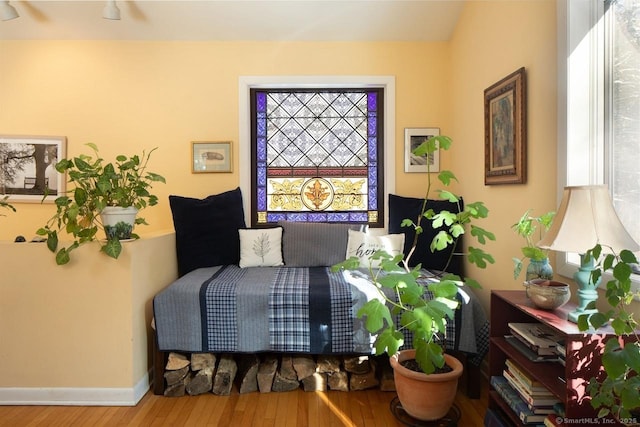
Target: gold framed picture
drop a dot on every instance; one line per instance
(211, 157)
(505, 128)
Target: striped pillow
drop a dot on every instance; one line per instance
(314, 244)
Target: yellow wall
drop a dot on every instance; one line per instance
(68, 330)
(492, 40)
(125, 96)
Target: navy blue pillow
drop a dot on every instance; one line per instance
(207, 230)
(409, 207)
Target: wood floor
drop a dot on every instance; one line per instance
(296, 408)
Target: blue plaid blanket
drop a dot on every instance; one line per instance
(309, 310)
(285, 309)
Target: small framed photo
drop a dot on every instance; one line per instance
(209, 157)
(28, 168)
(505, 130)
(413, 137)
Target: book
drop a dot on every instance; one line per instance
(515, 402)
(520, 387)
(537, 334)
(527, 352)
(532, 400)
(530, 383)
(553, 421)
(543, 351)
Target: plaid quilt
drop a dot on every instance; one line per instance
(286, 309)
(309, 311)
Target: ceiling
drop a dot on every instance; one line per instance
(304, 20)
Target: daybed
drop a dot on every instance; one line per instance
(272, 290)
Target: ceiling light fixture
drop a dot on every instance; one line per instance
(7, 11)
(111, 11)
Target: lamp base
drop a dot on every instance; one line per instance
(575, 314)
(587, 290)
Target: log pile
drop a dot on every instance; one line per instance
(200, 373)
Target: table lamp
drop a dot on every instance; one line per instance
(585, 218)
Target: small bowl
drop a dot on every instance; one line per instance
(548, 294)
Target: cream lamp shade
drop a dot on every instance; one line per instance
(586, 217)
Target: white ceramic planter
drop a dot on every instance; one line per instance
(118, 222)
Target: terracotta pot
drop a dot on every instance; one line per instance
(425, 397)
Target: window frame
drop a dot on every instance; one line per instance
(581, 99)
(377, 184)
(246, 83)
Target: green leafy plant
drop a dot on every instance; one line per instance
(525, 228)
(5, 204)
(617, 393)
(96, 185)
(398, 285)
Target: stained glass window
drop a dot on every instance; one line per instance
(317, 155)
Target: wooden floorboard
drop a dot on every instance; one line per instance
(297, 408)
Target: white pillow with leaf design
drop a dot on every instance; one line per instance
(260, 247)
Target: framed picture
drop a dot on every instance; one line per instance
(413, 137)
(208, 157)
(27, 168)
(505, 131)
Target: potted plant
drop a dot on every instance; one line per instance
(122, 185)
(539, 267)
(403, 295)
(616, 393)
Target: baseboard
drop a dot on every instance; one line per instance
(69, 396)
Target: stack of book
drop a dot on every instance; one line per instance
(529, 399)
(538, 342)
(517, 405)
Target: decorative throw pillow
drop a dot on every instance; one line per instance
(207, 230)
(409, 207)
(314, 244)
(363, 245)
(261, 247)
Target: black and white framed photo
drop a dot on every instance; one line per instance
(413, 137)
(27, 168)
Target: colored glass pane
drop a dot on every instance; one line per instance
(316, 155)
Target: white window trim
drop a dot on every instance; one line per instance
(246, 83)
(581, 66)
